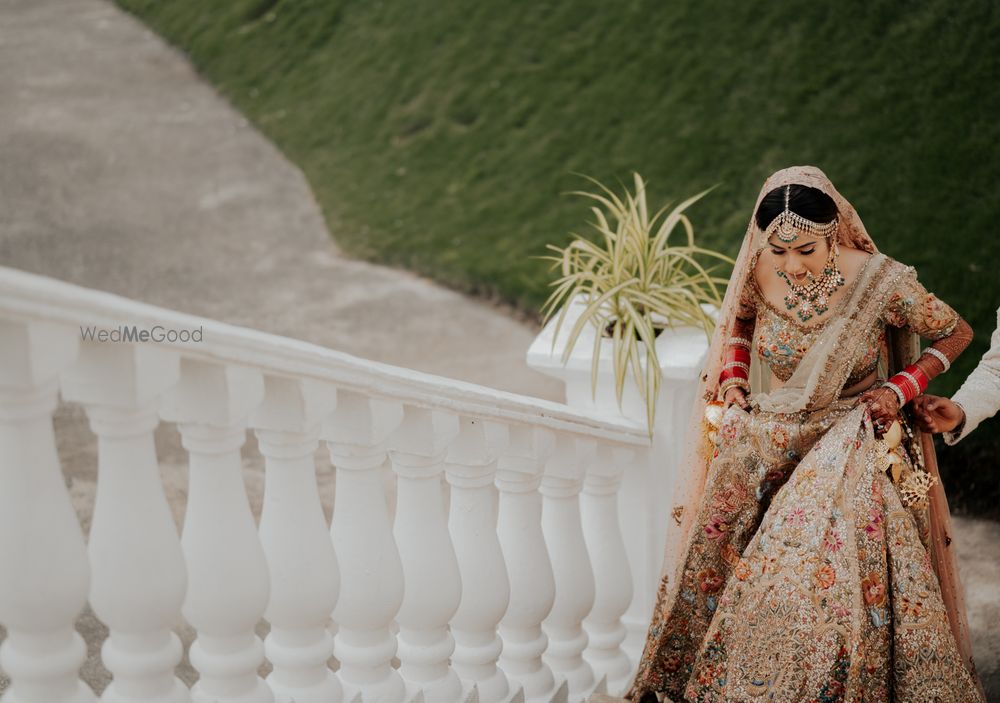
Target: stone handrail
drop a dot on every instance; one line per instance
(502, 575)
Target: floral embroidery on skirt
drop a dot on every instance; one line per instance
(805, 579)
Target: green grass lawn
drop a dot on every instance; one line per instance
(439, 136)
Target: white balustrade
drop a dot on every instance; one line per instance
(305, 578)
(371, 573)
(472, 520)
(532, 584)
(612, 575)
(430, 568)
(520, 590)
(138, 574)
(42, 554)
(646, 492)
(227, 573)
(574, 578)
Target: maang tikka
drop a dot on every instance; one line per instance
(788, 225)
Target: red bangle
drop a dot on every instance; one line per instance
(900, 393)
(905, 388)
(911, 382)
(919, 375)
(733, 372)
(738, 354)
(736, 365)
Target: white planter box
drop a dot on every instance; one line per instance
(648, 485)
(681, 352)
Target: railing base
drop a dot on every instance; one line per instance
(470, 694)
(600, 687)
(414, 697)
(562, 692)
(516, 695)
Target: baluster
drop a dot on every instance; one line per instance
(612, 574)
(227, 573)
(574, 577)
(305, 577)
(371, 574)
(640, 488)
(138, 573)
(433, 586)
(42, 552)
(532, 584)
(471, 469)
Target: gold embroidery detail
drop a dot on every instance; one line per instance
(677, 512)
(915, 487)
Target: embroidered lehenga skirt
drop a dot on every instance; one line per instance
(805, 578)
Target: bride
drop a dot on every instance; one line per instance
(813, 563)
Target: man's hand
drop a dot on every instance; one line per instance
(936, 414)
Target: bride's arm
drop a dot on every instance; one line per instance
(938, 357)
(734, 381)
(914, 308)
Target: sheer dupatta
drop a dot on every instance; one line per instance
(815, 383)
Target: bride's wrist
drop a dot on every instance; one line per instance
(898, 392)
(732, 382)
(908, 383)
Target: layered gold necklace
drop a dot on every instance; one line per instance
(813, 297)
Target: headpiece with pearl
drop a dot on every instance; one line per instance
(788, 225)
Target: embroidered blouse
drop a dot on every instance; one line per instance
(781, 340)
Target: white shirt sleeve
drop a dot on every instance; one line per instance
(979, 396)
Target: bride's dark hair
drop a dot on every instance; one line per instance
(810, 203)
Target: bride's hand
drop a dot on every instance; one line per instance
(736, 396)
(883, 406)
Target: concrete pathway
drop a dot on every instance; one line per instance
(122, 171)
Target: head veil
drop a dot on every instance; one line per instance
(903, 348)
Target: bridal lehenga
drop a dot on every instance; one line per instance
(813, 559)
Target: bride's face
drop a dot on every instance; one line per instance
(799, 258)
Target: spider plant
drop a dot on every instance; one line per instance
(633, 284)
